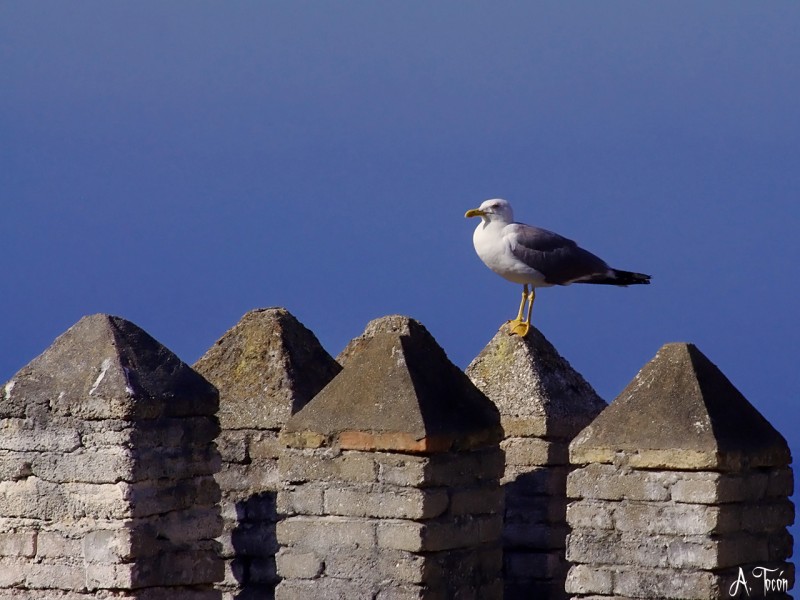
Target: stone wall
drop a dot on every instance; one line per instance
(392, 476)
(682, 491)
(396, 477)
(543, 405)
(265, 368)
(106, 471)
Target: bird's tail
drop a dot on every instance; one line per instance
(617, 277)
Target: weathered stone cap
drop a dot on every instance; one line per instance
(400, 392)
(537, 391)
(681, 412)
(266, 367)
(394, 324)
(105, 367)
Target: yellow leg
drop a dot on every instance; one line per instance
(518, 326)
(522, 304)
(531, 298)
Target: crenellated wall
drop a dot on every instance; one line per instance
(107, 464)
(681, 491)
(387, 474)
(392, 476)
(266, 367)
(543, 404)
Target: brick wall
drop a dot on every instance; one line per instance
(106, 478)
(124, 473)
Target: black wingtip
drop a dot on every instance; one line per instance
(630, 278)
(617, 277)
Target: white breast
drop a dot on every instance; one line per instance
(493, 246)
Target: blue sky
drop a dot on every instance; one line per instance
(180, 163)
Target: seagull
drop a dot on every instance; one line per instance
(536, 257)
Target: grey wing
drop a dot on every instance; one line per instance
(559, 259)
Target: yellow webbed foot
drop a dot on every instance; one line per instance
(519, 327)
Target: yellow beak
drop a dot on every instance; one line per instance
(475, 212)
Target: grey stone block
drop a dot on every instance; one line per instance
(241, 480)
(714, 488)
(433, 536)
(478, 500)
(156, 497)
(663, 583)
(702, 488)
(197, 566)
(606, 547)
(107, 465)
(408, 592)
(520, 480)
(528, 564)
(37, 499)
(766, 516)
(12, 571)
(257, 538)
(594, 514)
(262, 570)
(15, 466)
(109, 545)
(109, 576)
(405, 567)
(325, 588)
(539, 536)
(466, 468)
(18, 544)
(386, 502)
(698, 552)
(31, 594)
(174, 592)
(180, 527)
(298, 565)
(186, 432)
(21, 435)
(533, 451)
(305, 499)
(62, 574)
(607, 482)
(780, 483)
(536, 510)
(326, 533)
(299, 466)
(780, 545)
(357, 565)
(232, 446)
(51, 544)
(676, 519)
(263, 445)
(400, 469)
(585, 579)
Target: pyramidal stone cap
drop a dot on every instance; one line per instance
(681, 412)
(537, 391)
(266, 367)
(105, 367)
(392, 324)
(400, 392)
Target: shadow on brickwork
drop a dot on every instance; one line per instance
(255, 545)
(175, 506)
(534, 536)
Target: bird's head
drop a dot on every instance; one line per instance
(495, 209)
